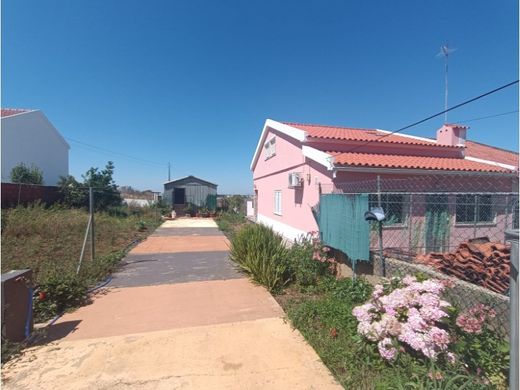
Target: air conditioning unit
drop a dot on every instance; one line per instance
(295, 180)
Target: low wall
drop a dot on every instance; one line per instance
(463, 294)
(14, 194)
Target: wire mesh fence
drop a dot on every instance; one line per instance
(448, 226)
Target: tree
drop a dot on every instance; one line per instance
(26, 175)
(76, 194)
(236, 203)
(106, 192)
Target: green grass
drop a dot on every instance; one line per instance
(230, 222)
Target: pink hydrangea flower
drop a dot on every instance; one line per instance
(386, 349)
(408, 315)
(473, 319)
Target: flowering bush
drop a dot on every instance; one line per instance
(321, 252)
(310, 260)
(480, 348)
(472, 320)
(406, 311)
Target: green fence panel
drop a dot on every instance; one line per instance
(343, 226)
(211, 202)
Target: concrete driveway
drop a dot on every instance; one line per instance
(176, 316)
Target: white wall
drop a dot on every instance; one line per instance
(30, 138)
(290, 233)
(250, 209)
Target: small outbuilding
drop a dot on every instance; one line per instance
(190, 190)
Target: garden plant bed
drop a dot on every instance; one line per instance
(323, 315)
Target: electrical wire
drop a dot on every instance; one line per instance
(430, 117)
(112, 152)
(487, 117)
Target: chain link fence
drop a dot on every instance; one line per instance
(446, 226)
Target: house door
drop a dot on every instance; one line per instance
(437, 224)
(179, 195)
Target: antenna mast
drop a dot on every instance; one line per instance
(445, 52)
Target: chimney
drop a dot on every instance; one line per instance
(453, 135)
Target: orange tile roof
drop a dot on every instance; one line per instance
(355, 134)
(487, 152)
(4, 112)
(412, 162)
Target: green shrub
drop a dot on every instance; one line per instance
(27, 175)
(356, 290)
(261, 253)
(487, 353)
(57, 293)
(304, 259)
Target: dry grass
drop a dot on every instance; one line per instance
(50, 239)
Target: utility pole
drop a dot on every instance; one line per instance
(169, 171)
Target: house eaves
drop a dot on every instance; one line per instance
(292, 132)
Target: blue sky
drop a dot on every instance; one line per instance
(192, 82)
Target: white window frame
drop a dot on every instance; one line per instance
(277, 209)
(270, 148)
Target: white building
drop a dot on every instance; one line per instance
(28, 137)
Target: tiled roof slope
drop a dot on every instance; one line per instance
(411, 162)
(473, 149)
(354, 134)
(487, 152)
(5, 112)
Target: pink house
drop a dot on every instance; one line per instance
(294, 164)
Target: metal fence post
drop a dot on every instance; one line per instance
(512, 236)
(475, 216)
(380, 229)
(92, 235)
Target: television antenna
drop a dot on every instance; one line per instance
(445, 52)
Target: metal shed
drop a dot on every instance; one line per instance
(191, 189)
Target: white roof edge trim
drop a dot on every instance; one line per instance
(494, 163)
(410, 136)
(20, 113)
(292, 132)
(417, 171)
(320, 157)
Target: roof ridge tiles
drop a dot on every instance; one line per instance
(329, 126)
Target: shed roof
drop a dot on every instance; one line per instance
(191, 177)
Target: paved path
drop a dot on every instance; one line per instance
(176, 316)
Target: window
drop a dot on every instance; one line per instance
(474, 208)
(270, 148)
(393, 206)
(278, 202)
